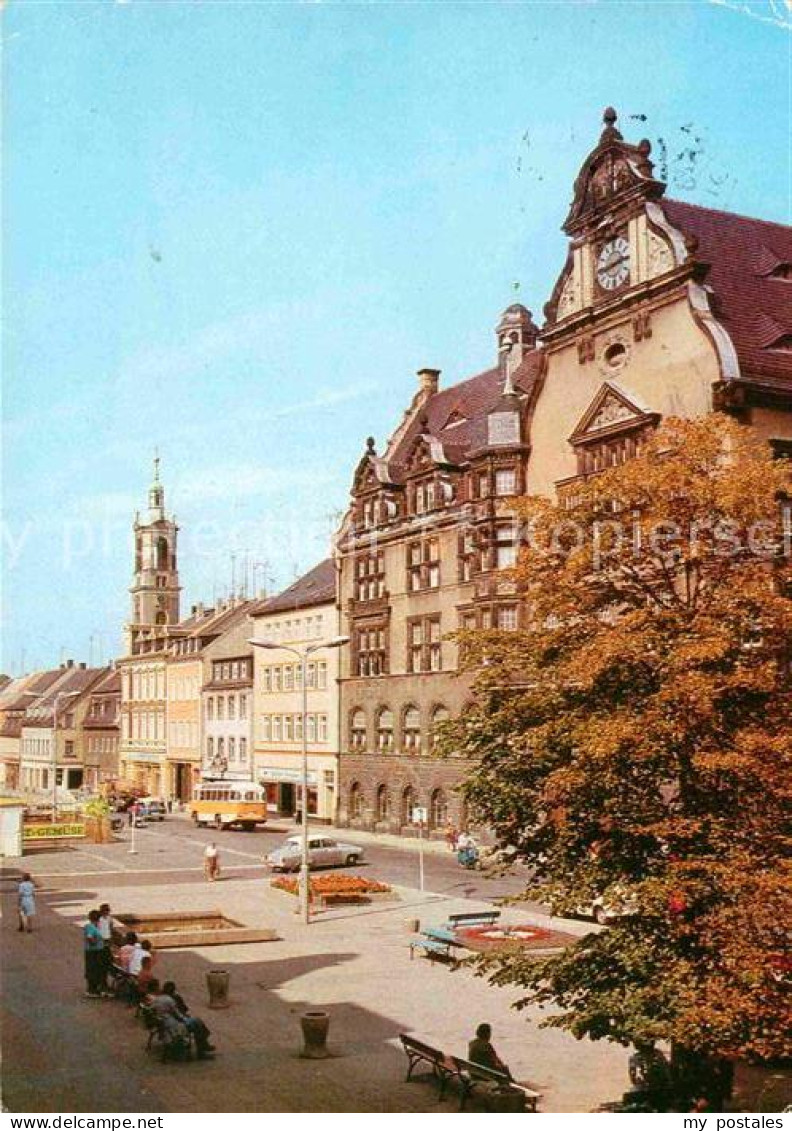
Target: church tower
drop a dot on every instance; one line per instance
(155, 587)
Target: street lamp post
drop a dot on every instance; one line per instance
(302, 656)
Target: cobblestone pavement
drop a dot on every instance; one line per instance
(67, 1053)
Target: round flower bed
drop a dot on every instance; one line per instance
(333, 885)
(521, 937)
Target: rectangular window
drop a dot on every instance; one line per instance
(298, 677)
(288, 678)
(288, 728)
(435, 652)
(507, 616)
(232, 706)
(311, 676)
(243, 706)
(432, 562)
(321, 673)
(415, 657)
(505, 481)
(311, 725)
(266, 728)
(210, 708)
(505, 546)
(220, 707)
(267, 679)
(277, 679)
(322, 728)
(371, 651)
(298, 728)
(232, 749)
(277, 728)
(243, 751)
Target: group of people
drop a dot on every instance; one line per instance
(127, 971)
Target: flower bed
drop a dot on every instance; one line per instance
(334, 886)
(521, 937)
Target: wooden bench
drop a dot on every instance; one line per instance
(473, 919)
(472, 1076)
(432, 948)
(419, 1052)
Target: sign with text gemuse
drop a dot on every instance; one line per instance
(53, 832)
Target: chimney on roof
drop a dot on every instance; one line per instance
(70, 663)
(83, 666)
(428, 381)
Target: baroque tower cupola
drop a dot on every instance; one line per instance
(155, 586)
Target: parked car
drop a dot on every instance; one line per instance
(154, 809)
(618, 904)
(323, 852)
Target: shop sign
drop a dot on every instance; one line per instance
(287, 777)
(52, 832)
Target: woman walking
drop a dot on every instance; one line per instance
(26, 902)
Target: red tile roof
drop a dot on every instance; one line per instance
(316, 587)
(472, 399)
(754, 306)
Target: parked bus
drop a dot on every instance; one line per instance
(229, 804)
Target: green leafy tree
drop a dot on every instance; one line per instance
(634, 741)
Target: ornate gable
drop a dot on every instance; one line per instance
(614, 173)
(611, 411)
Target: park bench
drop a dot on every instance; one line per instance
(473, 919)
(472, 1076)
(419, 1052)
(435, 942)
(179, 1047)
(432, 948)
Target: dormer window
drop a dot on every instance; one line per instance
(783, 271)
(368, 513)
(783, 343)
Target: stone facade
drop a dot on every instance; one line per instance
(661, 308)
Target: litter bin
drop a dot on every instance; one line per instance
(217, 982)
(315, 1025)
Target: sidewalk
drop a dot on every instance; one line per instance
(64, 1052)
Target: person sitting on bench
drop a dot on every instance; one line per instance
(197, 1027)
(177, 1023)
(481, 1051)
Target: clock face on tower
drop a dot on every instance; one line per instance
(613, 263)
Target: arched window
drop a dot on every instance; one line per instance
(385, 729)
(383, 803)
(439, 715)
(438, 810)
(355, 800)
(412, 730)
(408, 803)
(162, 553)
(357, 730)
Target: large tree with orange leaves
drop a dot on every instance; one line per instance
(634, 739)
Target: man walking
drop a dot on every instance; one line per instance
(211, 861)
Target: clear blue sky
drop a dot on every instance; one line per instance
(234, 231)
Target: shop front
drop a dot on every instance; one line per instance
(144, 769)
(281, 777)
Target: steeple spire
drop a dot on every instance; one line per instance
(156, 492)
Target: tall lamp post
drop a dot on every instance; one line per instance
(302, 656)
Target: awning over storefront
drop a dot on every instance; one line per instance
(289, 777)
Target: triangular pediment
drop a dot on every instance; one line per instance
(612, 410)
